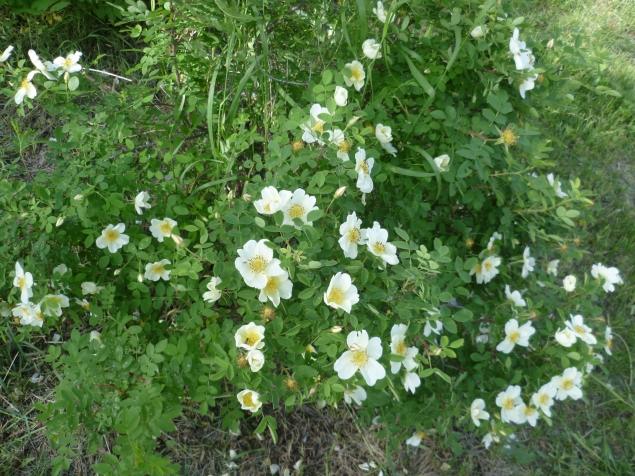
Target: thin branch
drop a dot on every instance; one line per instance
(109, 74)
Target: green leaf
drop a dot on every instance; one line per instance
(408, 172)
(423, 82)
(464, 315)
(233, 13)
(314, 215)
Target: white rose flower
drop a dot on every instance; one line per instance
(543, 398)
(27, 314)
(341, 293)
(249, 400)
(442, 162)
(568, 384)
(357, 395)
(314, 129)
(60, 270)
(527, 414)
(6, 53)
(26, 88)
(552, 267)
(552, 181)
(250, 337)
(381, 13)
(271, 200)
(527, 85)
(256, 360)
(398, 346)
(508, 401)
(278, 286)
(515, 297)
(70, 63)
(477, 411)
(213, 294)
(388, 147)
(492, 241)
(96, 335)
(363, 167)
(383, 133)
(379, 246)
(482, 339)
(515, 335)
(478, 32)
(255, 263)
(487, 270)
(522, 56)
(338, 138)
(566, 337)
(352, 235)
(44, 68)
(568, 283)
(156, 271)
(341, 96)
(362, 356)
(528, 263)
(357, 76)
(431, 326)
(411, 381)
(88, 287)
(371, 49)
(489, 439)
(24, 282)
(141, 202)
(161, 229)
(608, 341)
(298, 206)
(113, 238)
(581, 331)
(60, 301)
(415, 439)
(610, 275)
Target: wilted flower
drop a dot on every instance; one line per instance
(477, 411)
(341, 96)
(371, 49)
(415, 439)
(156, 271)
(489, 439)
(299, 205)
(508, 401)
(341, 293)
(362, 355)
(249, 400)
(568, 283)
(24, 282)
(608, 341)
(363, 166)
(515, 297)
(250, 336)
(255, 263)
(141, 202)
(431, 326)
(552, 181)
(379, 246)
(96, 335)
(213, 294)
(358, 395)
(528, 263)
(352, 235)
(357, 76)
(113, 238)
(527, 85)
(271, 200)
(26, 88)
(60, 269)
(515, 335)
(568, 384)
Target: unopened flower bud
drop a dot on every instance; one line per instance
(117, 271)
(336, 329)
(59, 221)
(140, 277)
(352, 122)
(550, 44)
(217, 215)
(79, 197)
(247, 197)
(340, 191)
(177, 240)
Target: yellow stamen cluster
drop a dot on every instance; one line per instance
(291, 385)
(267, 314)
(257, 264)
(296, 211)
(514, 337)
(111, 235)
(242, 362)
(297, 146)
(272, 284)
(344, 146)
(379, 248)
(509, 136)
(401, 348)
(360, 358)
(354, 235)
(469, 243)
(336, 296)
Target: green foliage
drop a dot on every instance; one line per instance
(216, 114)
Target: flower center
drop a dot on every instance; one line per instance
(248, 400)
(514, 337)
(25, 83)
(487, 266)
(609, 343)
(364, 168)
(21, 283)
(272, 284)
(39, 316)
(479, 268)
(257, 264)
(296, 211)
(354, 235)
(379, 248)
(344, 146)
(267, 207)
(360, 358)
(544, 399)
(529, 411)
(111, 235)
(508, 403)
(567, 385)
(357, 74)
(579, 330)
(251, 338)
(401, 348)
(166, 227)
(86, 306)
(509, 137)
(319, 126)
(421, 434)
(336, 296)
(68, 63)
(158, 269)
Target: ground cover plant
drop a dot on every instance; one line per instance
(249, 225)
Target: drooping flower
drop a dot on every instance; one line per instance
(70, 63)
(492, 241)
(527, 414)
(96, 335)
(357, 395)
(249, 400)
(362, 356)
(508, 401)
(415, 439)
(528, 263)
(113, 238)
(487, 270)
(255, 262)
(568, 283)
(608, 341)
(357, 76)
(442, 162)
(552, 181)
(611, 276)
(489, 439)
(161, 229)
(60, 301)
(314, 128)
(45, 68)
(552, 267)
(6, 53)
(256, 360)
(566, 337)
(398, 346)
(299, 205)
(543, 398)
(141, 202)
(271, 200)
(24, 282)
(379, 246)
(581, 331)
(568, 384)
(341, 293)
(515, 335)
(250, 337)
(213, 294)
(381, 13)
(341, 96)
(477, 32)
(363, 166)
(522, 56)
(278, 286)
(411, 381)
(156, 271)
(515, 297)
(477, 411)
(352, 235)
(26, 88)
(371, 49)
